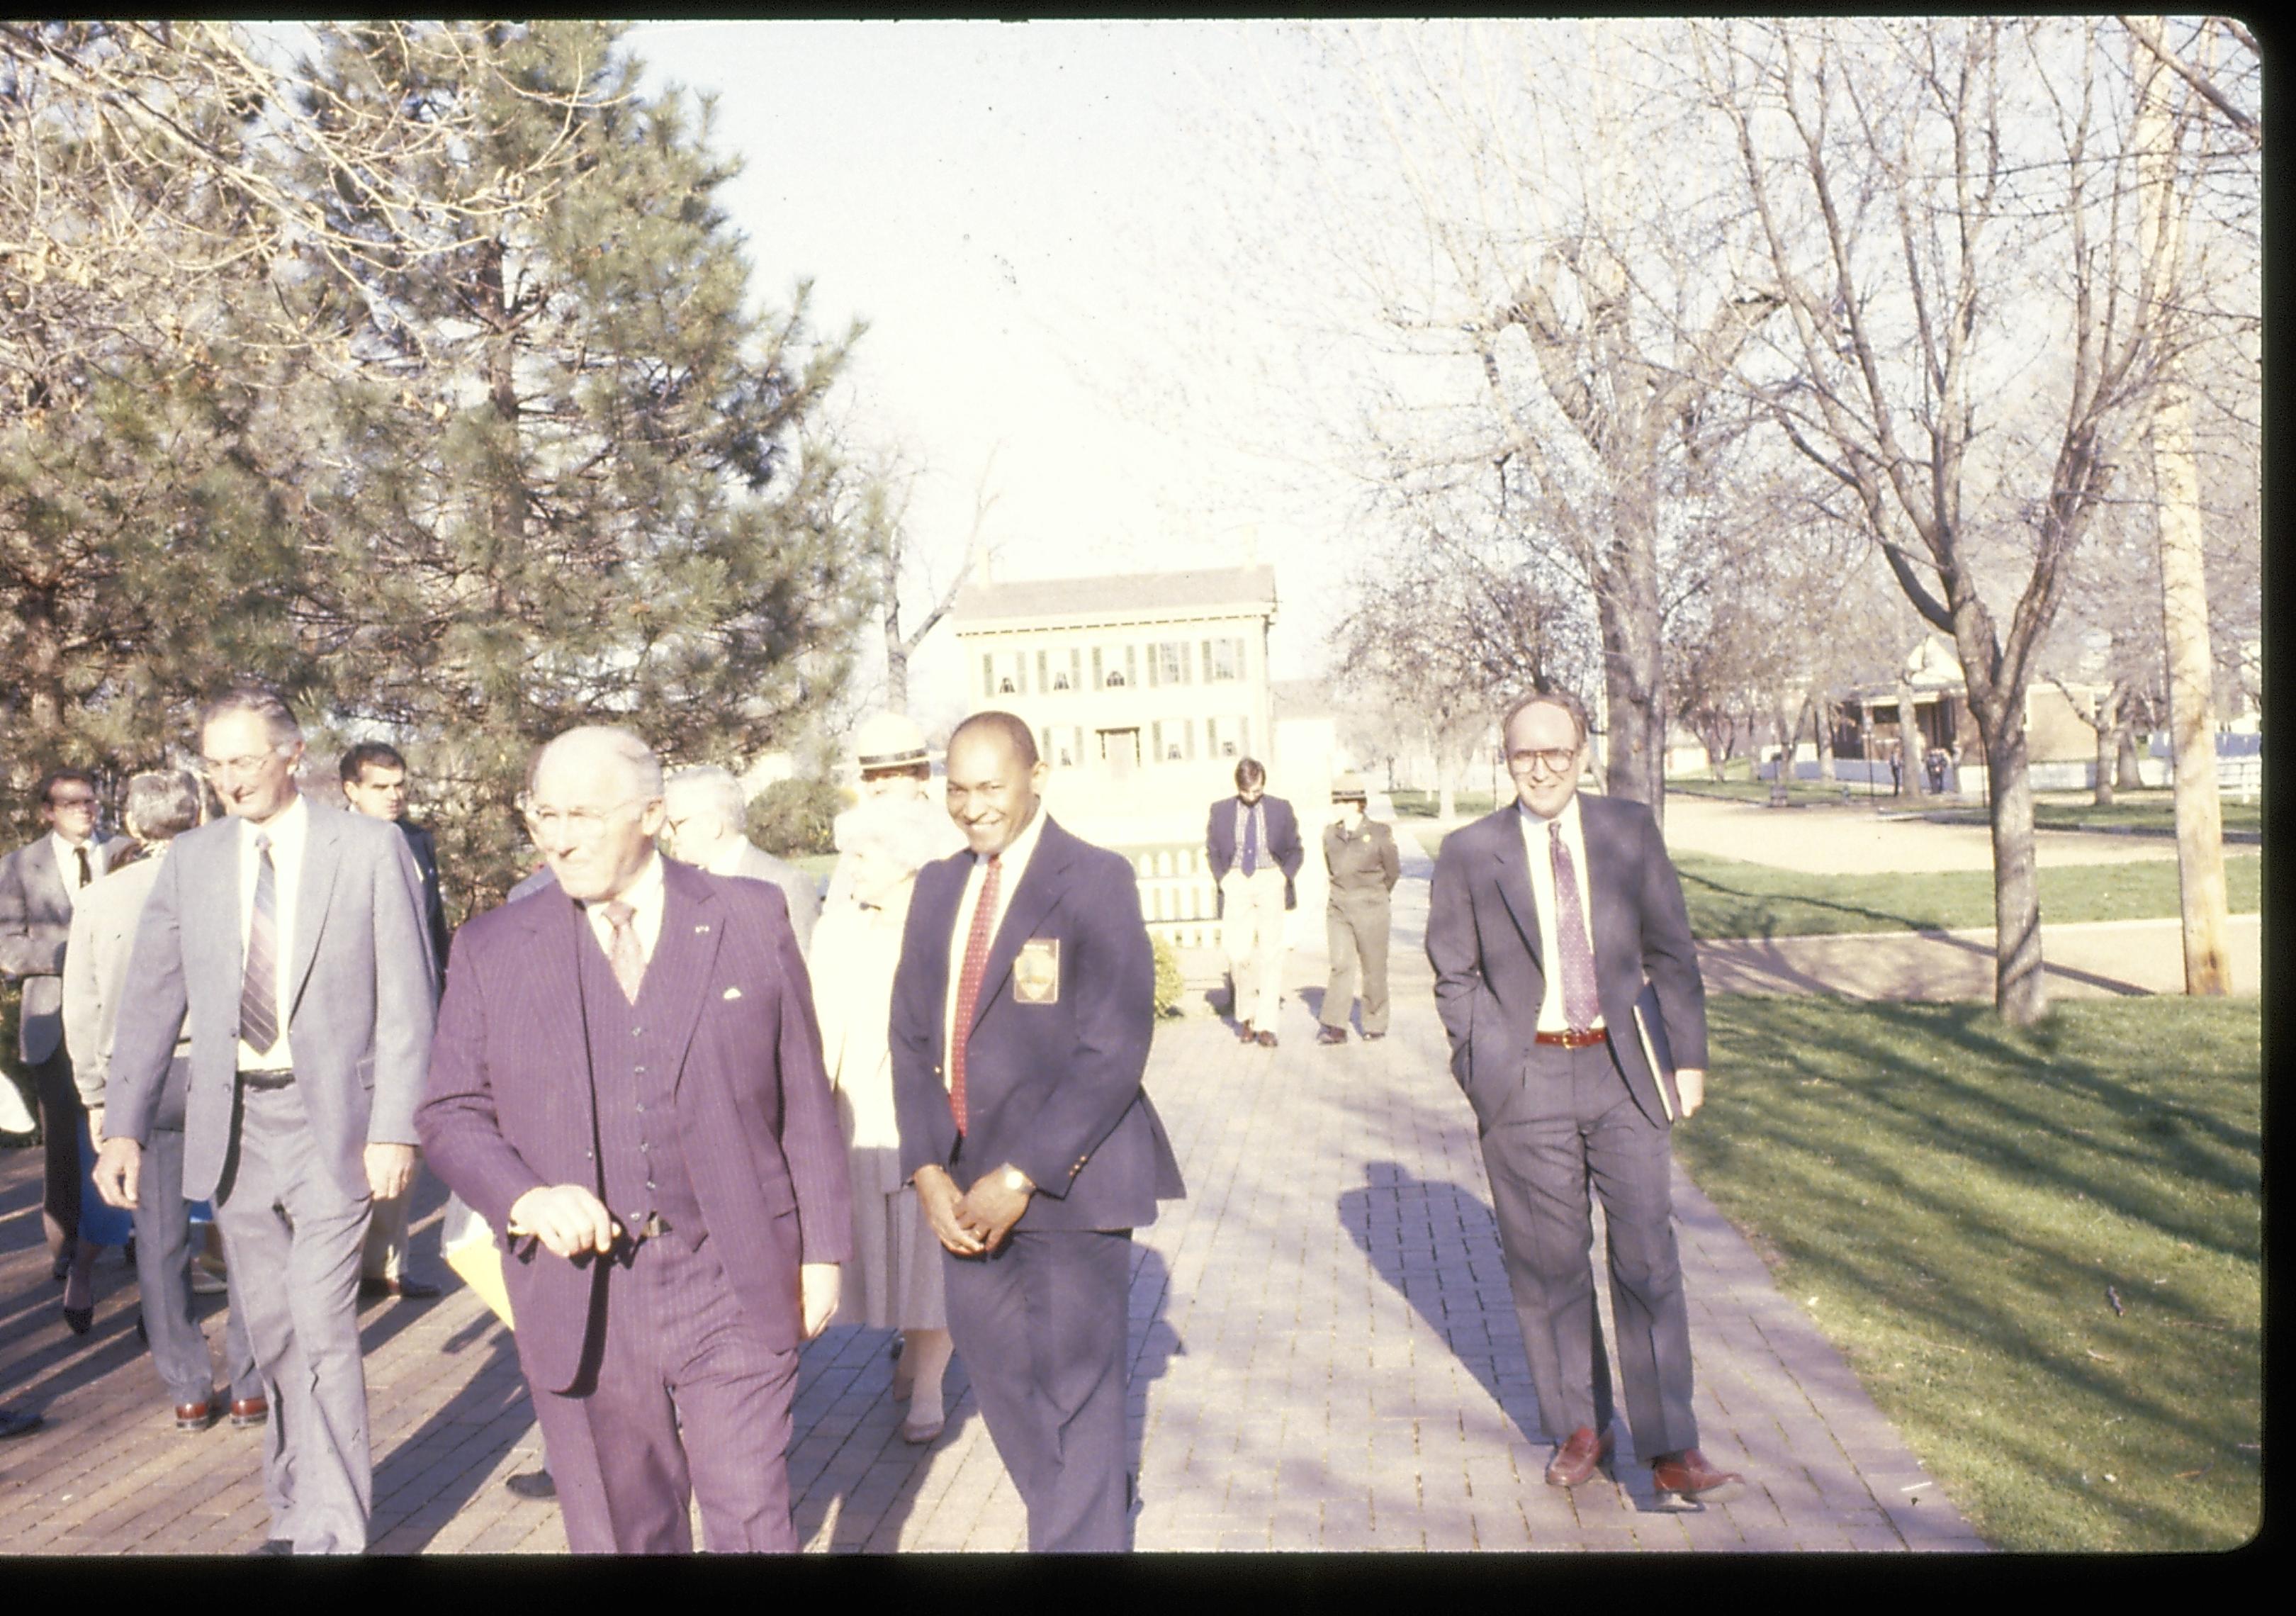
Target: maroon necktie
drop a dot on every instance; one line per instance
(968, 987)
(1581, 1002)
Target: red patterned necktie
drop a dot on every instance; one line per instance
(1581, 1002)
(968, 985)
(623, 953)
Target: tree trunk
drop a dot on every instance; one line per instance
(1822, 727)
(1786, 732)
(2131, 775)
(2108, 729)
(2184, 585)
(1913, 750)
(1628, 608)
(2184, 621)
(2019, 991)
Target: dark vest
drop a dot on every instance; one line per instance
(634, 1075)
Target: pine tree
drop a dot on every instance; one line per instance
(576, 478)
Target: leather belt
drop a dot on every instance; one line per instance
(1575, 1040)
(266, 1079)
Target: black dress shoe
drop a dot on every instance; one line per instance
(1243, 1036)
(19, 1423)
(274, 1545)
(405, 1288)
(534, 1484)
(81, 1319)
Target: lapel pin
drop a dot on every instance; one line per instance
(700, 928)
(732, 993)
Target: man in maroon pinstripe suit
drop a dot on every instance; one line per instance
(627, 1080)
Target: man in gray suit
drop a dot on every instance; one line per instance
(160, 807)
(707, 815)
(38, 884)
(1564, 969)
(289, 937)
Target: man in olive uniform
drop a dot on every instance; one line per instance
(1361, 856)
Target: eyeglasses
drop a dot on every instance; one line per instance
(71, 803)
(545, 825)
(216, 768)
(1555, 759)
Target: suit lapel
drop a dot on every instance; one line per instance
(677, 978)
(1514, 881)
(1606, 861)
(322, 833)
(558, 932)
(1032, 900)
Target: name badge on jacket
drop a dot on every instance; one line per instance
(1036, 973)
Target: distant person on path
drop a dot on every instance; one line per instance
(1556, 924)
(894, 1282)
(707, 818)
(1021, 1016)
(160, 807)
(1253, 843)
(890, 759)
(290, 938)
(39, 882)
(627, 1082)
(1364, 865)
(374, 783)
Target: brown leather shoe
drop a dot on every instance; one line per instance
(199, 1415)
(1243, 1032)
(1578, 1459)
(1331, 1035)
(1687, 1477)
(250, 1410)
(1266, 1039)
(406, 1290)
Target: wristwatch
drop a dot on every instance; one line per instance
(1017, 1181)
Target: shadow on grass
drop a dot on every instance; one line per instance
(2017, 1198)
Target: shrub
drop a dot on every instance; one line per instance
(793, 817)
(1170, 984)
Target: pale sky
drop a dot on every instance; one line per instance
(1004, 204)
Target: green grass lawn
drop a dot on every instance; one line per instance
(1957, 1205)
(1730, 898)
(1422, 805)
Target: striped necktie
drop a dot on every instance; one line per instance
(258, 988)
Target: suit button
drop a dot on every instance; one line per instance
(639, 1070)
(642, 1111)
(643, 1145)
(649, 1184)
(637, 1033)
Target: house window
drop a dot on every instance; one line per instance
(1168, 663)
(1060, 681)
(1115, 681)
(1222, 660)
(1005, 688)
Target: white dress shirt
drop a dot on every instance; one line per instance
(1538, 848)
(67, 863)
(1011, 866)
(645, 895)
(289, 831)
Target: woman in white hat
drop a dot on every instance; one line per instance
(894, 1280)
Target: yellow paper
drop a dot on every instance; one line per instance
(479, 1263)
